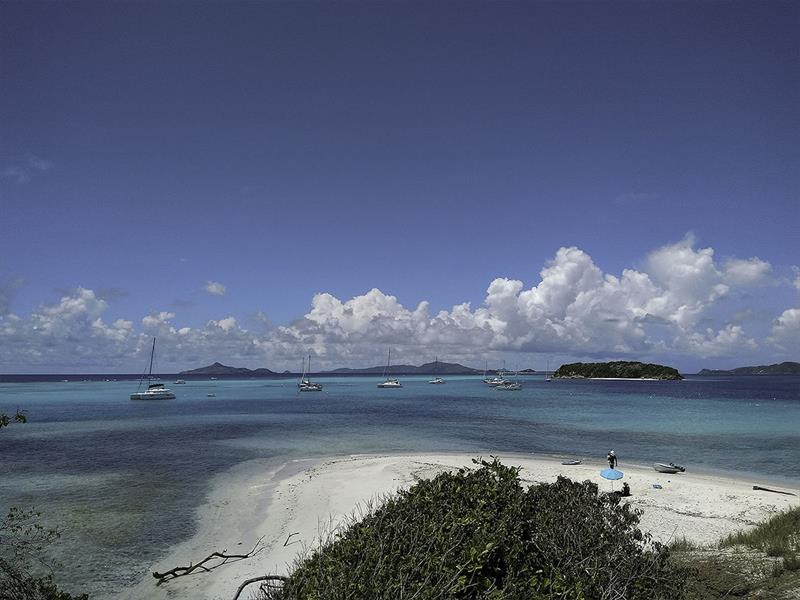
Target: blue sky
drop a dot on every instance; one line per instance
(171, 166)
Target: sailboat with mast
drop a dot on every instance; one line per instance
(305, 384)
(154, 391)
(437, 379)
(391, 382)
(499, 379)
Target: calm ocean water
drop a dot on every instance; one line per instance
(123, 478)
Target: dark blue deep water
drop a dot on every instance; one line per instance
(123, 478)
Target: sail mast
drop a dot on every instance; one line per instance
(152, 352)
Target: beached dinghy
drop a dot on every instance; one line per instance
(671, 468)
(571, 462)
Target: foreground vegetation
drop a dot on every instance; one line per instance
(762, 563)
(24, 567)
(479, 534)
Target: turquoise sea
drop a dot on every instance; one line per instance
(123, 478)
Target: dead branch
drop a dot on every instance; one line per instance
(220, 559)
(286, 543)
(763, 489)
(247, 582)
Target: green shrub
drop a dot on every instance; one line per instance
(791, 562)
(779, 536)
(478, 534)
(17, 584)
(682, 545)
(23, 544)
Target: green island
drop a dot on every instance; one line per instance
(620, 369)
(784, 368)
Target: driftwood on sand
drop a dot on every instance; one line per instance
(209, 563)
(763, 489)
(266, 578)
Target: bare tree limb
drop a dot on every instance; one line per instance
(286, 543)
(221, 558)
(247, 582)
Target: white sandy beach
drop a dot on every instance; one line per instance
(305, 497)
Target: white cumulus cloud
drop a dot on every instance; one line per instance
(215, 288)
(574, 308)
(786, 331)
(668, 307)
(746, 272)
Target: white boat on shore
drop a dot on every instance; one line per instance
(391, 382)
(154, 391)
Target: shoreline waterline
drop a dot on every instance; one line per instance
(123, 479)
(306, 496)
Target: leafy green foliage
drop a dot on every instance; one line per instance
(23, 538)
(19, 417)
(479, 534)
(23, 541)
(17, 584)
(620, 368)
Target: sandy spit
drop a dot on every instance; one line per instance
(303, 498)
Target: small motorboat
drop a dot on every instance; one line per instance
(570, 462)
(671, 468)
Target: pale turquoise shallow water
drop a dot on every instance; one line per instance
(125, 477)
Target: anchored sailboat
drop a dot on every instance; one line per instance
(500, 379)
(305, 384)
(154, 391)
(436, 380)
(391, 382)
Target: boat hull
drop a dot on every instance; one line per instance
(153, 396)
(670, 469)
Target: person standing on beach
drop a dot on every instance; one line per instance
(612, 460)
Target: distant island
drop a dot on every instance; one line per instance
(431, 368)
(439, 368)
(784, 368)
(617, 370)
(220, 370)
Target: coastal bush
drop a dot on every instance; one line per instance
(23, 564)
(760, 563)
(17, 584)
(780, 536)
(19, 417)
(479, 534)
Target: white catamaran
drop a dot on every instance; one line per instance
(437, 379)
(154, 391)
(499, 379)
(391, 382)
(305, 384)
